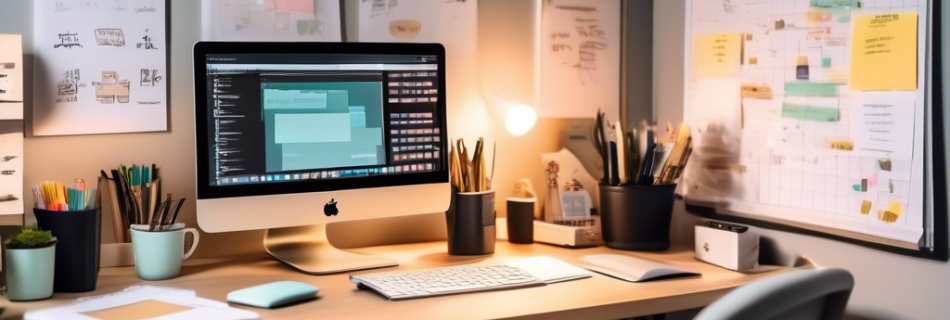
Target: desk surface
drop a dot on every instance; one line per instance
(599, 297)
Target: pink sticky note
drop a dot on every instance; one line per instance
(302, 6)
(871, 178)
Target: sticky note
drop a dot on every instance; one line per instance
(811, 89)
(892, 213)
(717, 55)
(870, 177)
(779, 24)
(885, 164)
(842, 145)
(809, 113)
(756, 91)
(817, 16)
(753, 60)
(856, 187)
(884, 52)
(864, 185)
(865, 207)
(830, 4)
(826, 62)
(890, 185)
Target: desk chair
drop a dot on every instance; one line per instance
(805, 294)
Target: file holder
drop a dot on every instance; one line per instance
(77, 250)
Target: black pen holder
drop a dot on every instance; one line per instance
(77, 250)
(637, 217)
(471, 223)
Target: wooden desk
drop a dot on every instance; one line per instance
(599, 297)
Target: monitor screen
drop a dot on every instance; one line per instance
(299, 122)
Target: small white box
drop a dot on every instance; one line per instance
(733, 250)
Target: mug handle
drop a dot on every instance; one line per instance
(194, 244)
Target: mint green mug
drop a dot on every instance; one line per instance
(158, 254)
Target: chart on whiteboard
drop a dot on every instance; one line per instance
(810, 113)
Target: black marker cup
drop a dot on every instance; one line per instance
(77, 250)
(637, 217)
(471, 223)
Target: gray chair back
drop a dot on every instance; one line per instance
(801, 294)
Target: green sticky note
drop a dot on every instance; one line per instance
(812, 89)
(845, 18)
(809, 113)
(831, 4)
(856, 187)
(826, 62)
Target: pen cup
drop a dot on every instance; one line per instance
(158, 254)
(77, 250)
(637, 217)
(471, 223)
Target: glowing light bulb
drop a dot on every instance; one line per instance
(520, 120)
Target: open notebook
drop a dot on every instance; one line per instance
(548, 269)
(144, 302)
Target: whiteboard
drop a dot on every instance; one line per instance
(785, 134)
(579, 58)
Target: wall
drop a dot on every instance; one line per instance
(505, 44)
(885, 282)
(638, 61)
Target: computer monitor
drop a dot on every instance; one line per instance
(304, 134)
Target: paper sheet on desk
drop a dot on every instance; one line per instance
(548, 269)
(149, 301)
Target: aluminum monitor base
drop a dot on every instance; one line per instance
(308, 250)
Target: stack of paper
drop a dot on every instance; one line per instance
(145, 302)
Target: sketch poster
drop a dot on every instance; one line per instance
(271, 20)
(452, 23)
(100, 67)
(580, 58)
(11, 167)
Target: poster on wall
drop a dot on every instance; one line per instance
(11, 167)
(11, 77)
(580, 58)
(271, 20)
(454, 24)
(100, 67)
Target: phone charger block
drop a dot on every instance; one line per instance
(728, 249)
(274, 294)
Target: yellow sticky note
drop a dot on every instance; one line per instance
(717, 55)
(884, 52)
(894, 206)
(865, 207)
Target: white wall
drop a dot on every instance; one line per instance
(912, 287)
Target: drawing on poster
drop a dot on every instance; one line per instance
(68, 40)
(149, 77)
(271, 20)
(68, 86)
(146, 43)
(111, 42)
(111, 89)
(110, 37)
(788, 132)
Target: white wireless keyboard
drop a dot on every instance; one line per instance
(445, 281)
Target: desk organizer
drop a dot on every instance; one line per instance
(637, 217)
(77, 250)
(471, 223)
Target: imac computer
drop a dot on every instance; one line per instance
(305, 134)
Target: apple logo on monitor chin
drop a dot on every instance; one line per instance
(330, 208)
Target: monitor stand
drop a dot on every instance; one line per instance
(308, 250)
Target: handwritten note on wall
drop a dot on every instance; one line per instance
(884, 52)
(100, 67)
(580, 58)
(717, 55)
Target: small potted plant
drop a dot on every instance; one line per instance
(31, 258)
